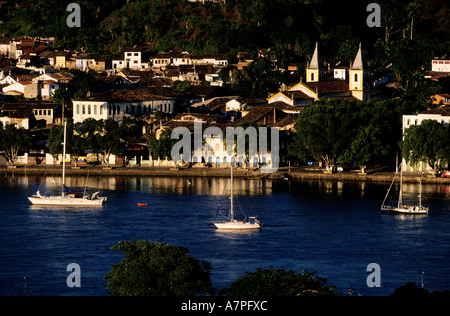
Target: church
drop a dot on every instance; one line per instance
(316, 88)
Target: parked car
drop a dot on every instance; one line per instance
(445, 174)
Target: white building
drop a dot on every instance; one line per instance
(212, 59)
(440, 65)
(341, 72)
(132, 59)
(440, 114)
(117, 104)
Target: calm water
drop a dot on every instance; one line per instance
(334, 228)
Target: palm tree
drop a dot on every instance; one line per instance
(62, 96)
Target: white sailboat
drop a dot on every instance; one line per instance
(252, 223)
(70, 199)
(401, 208)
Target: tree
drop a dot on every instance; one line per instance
(376, 138)
(88, 129)
(428, 142)
(162, 147)
(110, 138)
(76, 145)
(62, 96)
(82, 83)
(181, 85)
(14, 140)
(279, 282)
(324, 131)
(157, 269)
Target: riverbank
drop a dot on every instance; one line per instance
(282, 173)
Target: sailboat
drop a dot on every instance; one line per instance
(68, 196)
(401, 208)
(252, 223)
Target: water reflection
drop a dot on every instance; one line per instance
(219, 186)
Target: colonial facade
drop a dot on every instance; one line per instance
(117, 104)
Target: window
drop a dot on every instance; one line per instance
(40, 112)
(312, 76)
(136, 54)
(101, 109)
(89, 109)
(356, 77)
(84, 109)
(128, 54)
(44, 112)
(78, 109)
(95, 109)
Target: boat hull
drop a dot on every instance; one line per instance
(237, 225)
(411, 210)
(65, 201)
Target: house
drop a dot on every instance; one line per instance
(93, 61)
(220, 60)
(441, 99)
(120, 103)
(5, 46)
(132, 59)
(47, 58)
(198, 94)
(39, 89)
(440, 114)
(340, 72)
(61, 59)
(244, 59)
(28, 60)
(161, 60)
(183, 58)
(28, 114)
(31, 86)
(16, 88)
(64, 77)
(440, 65)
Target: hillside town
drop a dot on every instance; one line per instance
(164, 90)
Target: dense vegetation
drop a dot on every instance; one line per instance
(366, 134)
(288, 27)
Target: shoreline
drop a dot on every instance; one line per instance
(250, 174)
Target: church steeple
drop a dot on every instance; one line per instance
(314, 70)
(358, 76)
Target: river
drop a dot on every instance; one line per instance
(334, 228)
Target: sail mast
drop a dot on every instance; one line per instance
(64, 158)
(420, 194)
(231, 208)
(401, 187)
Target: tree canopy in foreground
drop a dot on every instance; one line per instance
(157, 269)
(279, 282)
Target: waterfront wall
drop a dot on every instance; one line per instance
(251, 174)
